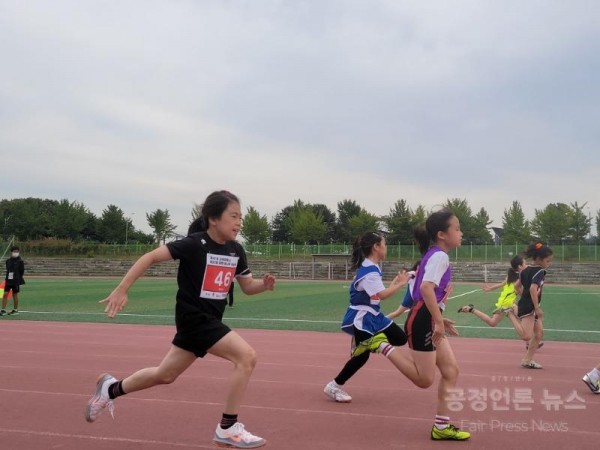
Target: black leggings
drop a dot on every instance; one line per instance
(395, 336)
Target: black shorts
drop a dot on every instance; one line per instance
(419, 328)
(197, 332)
(525, 308)
(14, 288)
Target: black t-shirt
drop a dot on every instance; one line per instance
(206, 270)
(15, 268)
(532, 275)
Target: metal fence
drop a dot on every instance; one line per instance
(467, 252)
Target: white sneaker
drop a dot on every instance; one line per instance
(334, 391)
(594, 387)
(531, 364)
(237, 436)
(100, 399)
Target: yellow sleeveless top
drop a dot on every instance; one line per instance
(507, 296)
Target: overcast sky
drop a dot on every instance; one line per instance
(154, 104)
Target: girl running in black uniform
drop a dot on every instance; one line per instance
(531, 314)
(209, 260)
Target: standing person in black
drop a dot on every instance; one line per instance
(15, 269)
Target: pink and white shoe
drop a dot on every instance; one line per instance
(237, 437)
(100, 399)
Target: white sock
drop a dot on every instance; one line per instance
(441, 422)
(385, 348)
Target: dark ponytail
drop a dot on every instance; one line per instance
(426, 234)
(362, 248)
(198, 225)
(513, 273)
(422, 238)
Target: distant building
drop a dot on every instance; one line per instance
(498, 232)
(177, 236)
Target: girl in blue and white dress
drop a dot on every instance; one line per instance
(363, 318)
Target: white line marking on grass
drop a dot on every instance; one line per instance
(510, 328)
(465, 293)
(284, 320)
(266, 319)
(569, 293)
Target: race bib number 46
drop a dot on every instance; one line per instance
(218, 276)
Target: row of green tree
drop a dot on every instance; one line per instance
(32, 218)
(300, 223)
(315, 223)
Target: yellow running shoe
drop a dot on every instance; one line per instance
(371, 344)
(450, 433)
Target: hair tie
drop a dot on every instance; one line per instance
(538, 245)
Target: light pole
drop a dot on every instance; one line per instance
(6, 219)
(590, 222)
(127, 226)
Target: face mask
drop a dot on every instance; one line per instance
(15, 254)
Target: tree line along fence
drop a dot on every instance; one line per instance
(467, 252)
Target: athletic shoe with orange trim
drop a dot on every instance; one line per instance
(237, 437)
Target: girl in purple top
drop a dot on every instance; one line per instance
(425, 327)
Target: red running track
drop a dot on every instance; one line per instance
(48, 372)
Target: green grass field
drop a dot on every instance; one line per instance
(572, 313)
